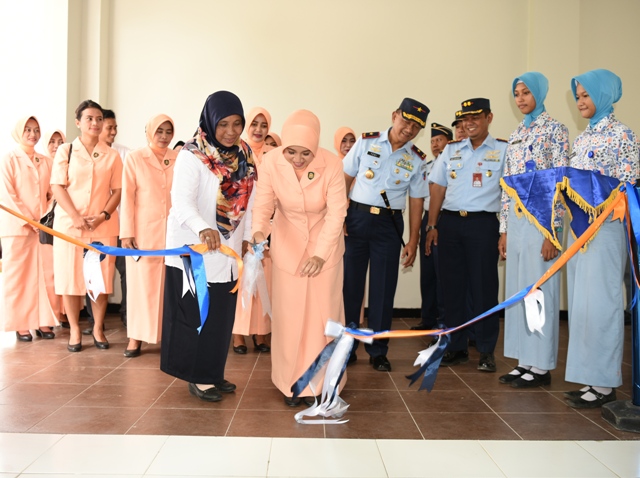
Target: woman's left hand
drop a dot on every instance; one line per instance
(312, 266)
(211, 238)
(94, 221)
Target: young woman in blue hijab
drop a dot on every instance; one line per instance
(539, 142)
(596, 308)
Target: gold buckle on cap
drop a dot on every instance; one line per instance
(374, 210)
(463, 213)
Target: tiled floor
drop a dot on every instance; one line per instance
(98, 414)
(45, 389)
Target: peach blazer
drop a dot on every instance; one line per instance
(309, 214)
(24, 187)
(146, 197)
(89, 180)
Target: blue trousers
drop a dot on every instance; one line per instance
(429, 285)
(372, 241)
(468, 263)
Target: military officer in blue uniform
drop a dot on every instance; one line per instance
(463, 223)
(429, 312)
(386, 166)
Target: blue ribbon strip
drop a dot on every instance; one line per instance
(430, 367)
(196, 265)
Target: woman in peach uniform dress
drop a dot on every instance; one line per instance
(250, 318)
(305, 186)
(29, 301)
(146, 201)
(87, 188)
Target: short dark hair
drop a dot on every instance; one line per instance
(85, 105)
(178, 144)
(108, 114)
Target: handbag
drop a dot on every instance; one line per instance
(47, 219)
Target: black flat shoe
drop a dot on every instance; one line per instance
(487, 363)
(208, 395)
(538, 380)
(309, 401)
(132, 352)
(240, 349)
(422, 327)
(600, 400)
(260, 347)
(454, 358)
(65, 324)
(510, 377)
(292, 402)
(225, 387)
(100, 345)
(573, 394)
(380, 363)
(24, 338)
(75, 347)
(45, 335)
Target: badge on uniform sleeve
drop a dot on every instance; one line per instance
(477, 180)
(166, 162)
(369, 174)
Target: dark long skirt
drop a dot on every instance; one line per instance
(185, 354)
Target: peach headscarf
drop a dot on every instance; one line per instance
(275, 137)
(339, 136)
(46, 137)
(302, 128)
(150, 131)
(253, 113)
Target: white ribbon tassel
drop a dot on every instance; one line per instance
(254, 282)
(534, 308)
(424, 355)
(93, 281)
(188, 283)
(328, 408)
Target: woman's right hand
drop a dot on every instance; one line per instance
(211, 238)
(128, 242)
(258, 237)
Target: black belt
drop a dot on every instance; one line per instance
(378, 211)
(468, 213)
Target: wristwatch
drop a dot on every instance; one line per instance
(107, 216)
(431, 228)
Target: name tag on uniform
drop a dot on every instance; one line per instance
(371, 153)
(516, 141)
(477, 180)
(572, 155)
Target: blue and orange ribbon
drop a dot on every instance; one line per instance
(195, 252)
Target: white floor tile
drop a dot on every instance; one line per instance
(99, 454)
(317, 457)
(437, 458)
(19, 450)
(73, 475)
(623, 458)
(8, 475)
(545, 459)
(212, 456)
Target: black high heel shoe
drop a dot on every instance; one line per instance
(100, 345)
(24, 338)
(260, 347)
(74, 347)
(133, 352)
(45, 335)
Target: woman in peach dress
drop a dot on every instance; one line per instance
(86, 181)
(146, 201)
(304, 185)
(250, 317)
(28, 301)
(343, 140)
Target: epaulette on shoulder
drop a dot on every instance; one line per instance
(375, 134)
(502, 140)
(453, 141)
(417, 150)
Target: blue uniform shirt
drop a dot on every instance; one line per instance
(472, 177)
(395, 172)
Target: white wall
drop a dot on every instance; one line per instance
(349, 61)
